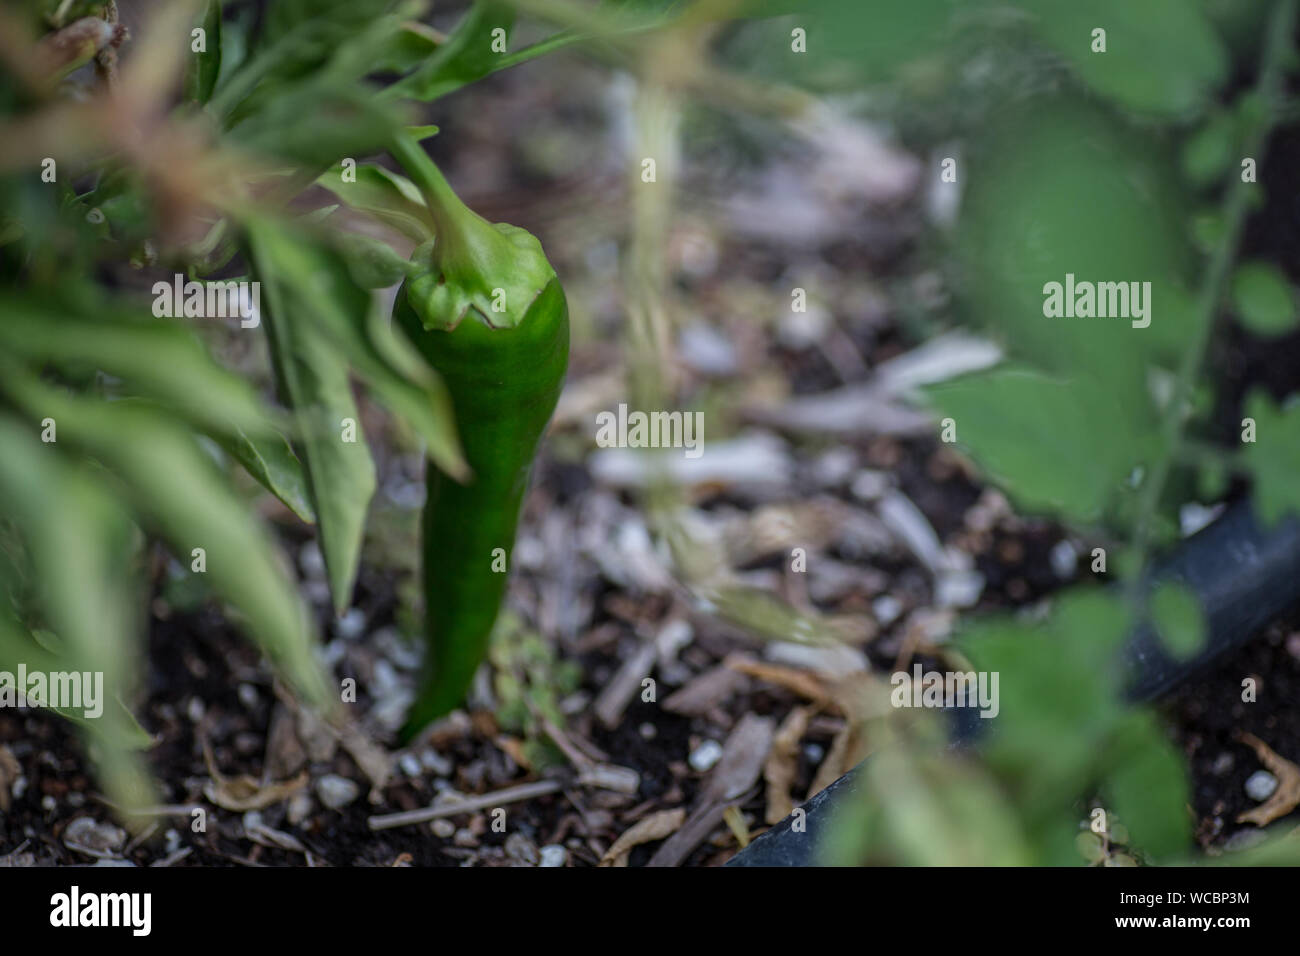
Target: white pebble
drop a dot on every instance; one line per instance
(410, 765)
(554, 855)
(1064, 559)
(704, 756)
(1260, 785)
(886, 609)
(351, 625)
(336, 792)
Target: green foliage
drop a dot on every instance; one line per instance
(1263, 299)
(149, 418)
(1179, 619)
(1274, 457)
(529, 682)
(1105, 176)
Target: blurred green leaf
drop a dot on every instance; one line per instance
(1162, 56)
(1058, 706)
(82, 546)
(1178, 619)
(1146, 783)
(1212, 150)
(271, 461)
(372, 263)
(163, 473)
(318, 124)
(389, 197)
(465, 57)
(155, 358)
(924, 806)
(1263, 299)
(204, 68)
(1060, 188)
(1060, 447)
(1274, 456)
(313, 379)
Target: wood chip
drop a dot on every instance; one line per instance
(801, 682)
(656, 826)
(1287, 795)
(783, 764)
(743, 755)
(625, 684)
(705, 691)
(10, 771)
(835, 763)
(524, 791)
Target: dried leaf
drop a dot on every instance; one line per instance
(646, 830)
(245, 793)
(783, 763)
(801, 682)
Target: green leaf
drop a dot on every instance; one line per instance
(1060, 188)
(465, 57)
(1263, 299)
(1162, 56)
(158, 359)
(313, 379)
(201, 78)
(1179, 620)
(1059, 447)
(1211, 150)
(372, 263)
(272, 463)
(350, 318)
(1057, 700)
(871, 41)
(389, 197)
(83, 549)
(1274, 456)
(163, 473)
(1147, 786)
(316, 124)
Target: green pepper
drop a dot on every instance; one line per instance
(484, 307)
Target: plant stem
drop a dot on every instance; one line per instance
(1269, 86)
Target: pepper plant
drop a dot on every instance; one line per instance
(189, 148)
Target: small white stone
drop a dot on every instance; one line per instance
(352, 624)
(869, 485)
(410, 765)
(1260, 785)
(336, 792)
(704, 756)
(886, 608)
(435, 763)
(554, 855)
(1064, 559)
(958, 588)
(248, 695)
(442, 827)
